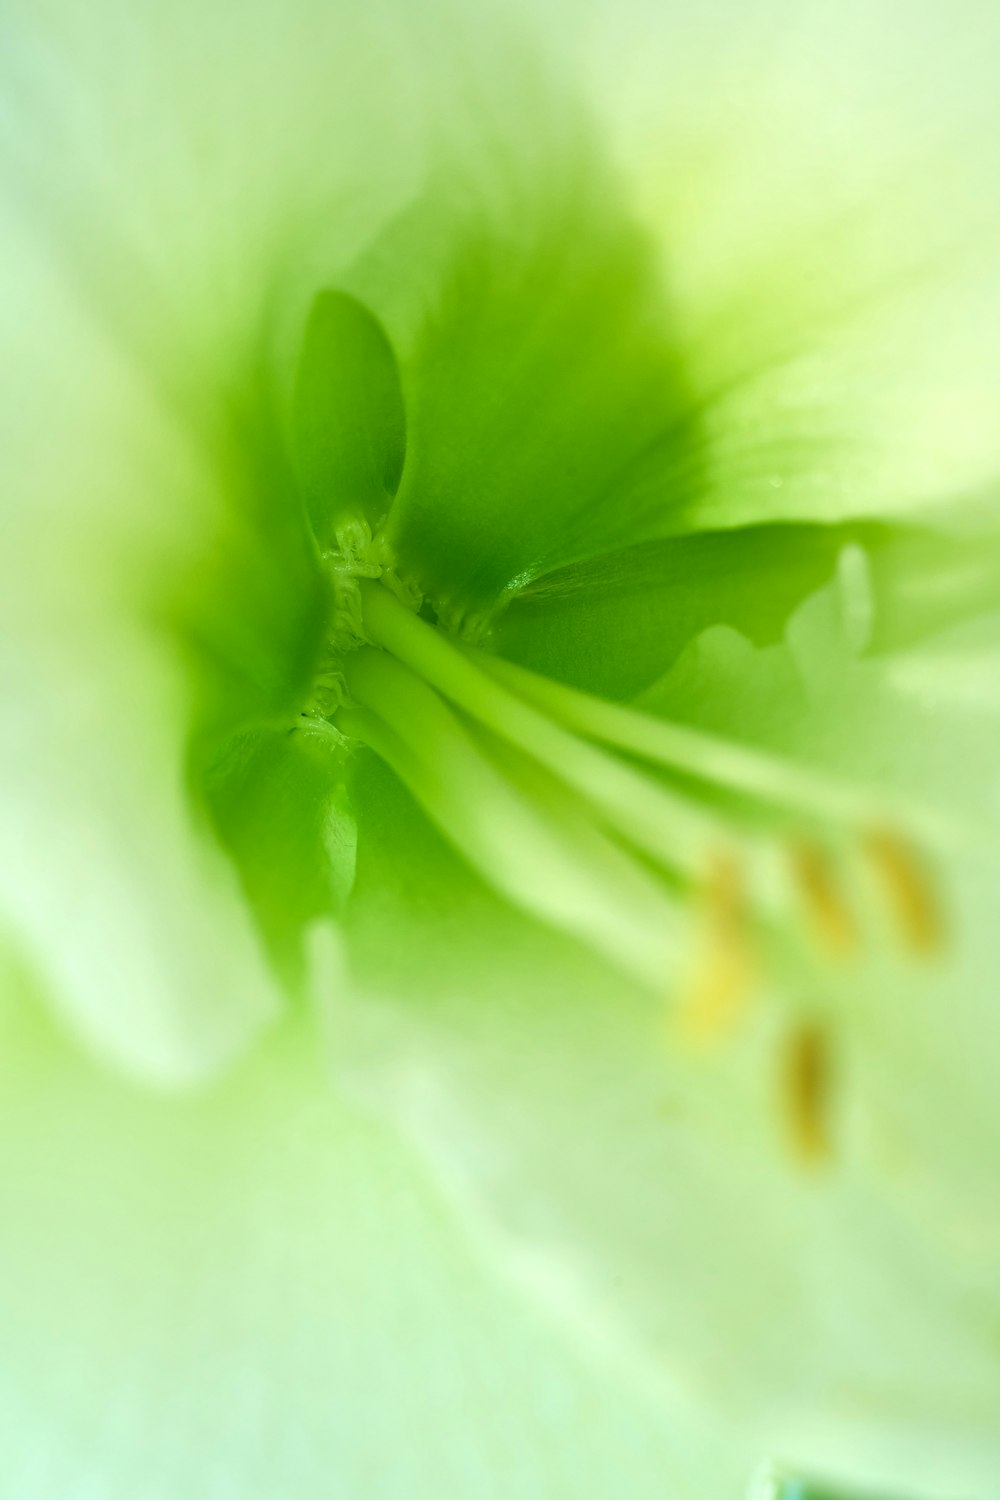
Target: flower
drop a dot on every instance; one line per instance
(502, 587)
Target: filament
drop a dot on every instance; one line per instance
(543, 854)
(710, 757)
(671, 828)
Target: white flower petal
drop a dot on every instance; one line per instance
(254, 1292)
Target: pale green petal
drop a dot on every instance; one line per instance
(111, 890)
(822, 183)
(254, 1292)
(112, 887)
(196, 169)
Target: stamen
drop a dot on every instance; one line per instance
(806, 1083)
(715, 999)
(710, 757)
(509, 769)
(914, 903)
(663, 823)
(832, 919)
(541, 852)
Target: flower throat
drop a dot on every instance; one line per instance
(698, 867)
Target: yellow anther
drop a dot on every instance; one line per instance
(714, 999)
(914, 903)
(831, 918)
(806, 1082)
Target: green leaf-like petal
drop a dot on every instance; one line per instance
(349, 423)
(614, 624)
(279, 801)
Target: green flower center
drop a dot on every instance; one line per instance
(701, 868)
(604, 821)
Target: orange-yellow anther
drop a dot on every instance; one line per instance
(831, 918)
(913, 901)
(806, 1082)
(715, 997)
